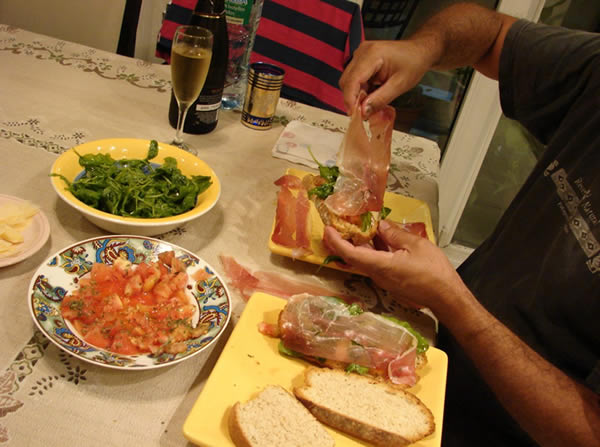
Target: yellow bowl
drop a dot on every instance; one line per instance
(122, 148)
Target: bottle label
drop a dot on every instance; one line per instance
(204, 117)
(208, 107)
(238, 11)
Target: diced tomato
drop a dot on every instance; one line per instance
(162, 291)
(180, 280)
(201, 275)
(144, 270)
(123, 345)
(159, 313)
(268, 329)
(150, 281)
(96, 338)
(103, 272)
(134, 309)
(134, 285)
(166, 257)
(177, 266)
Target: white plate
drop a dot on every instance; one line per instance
(35, 235)
(58, 276)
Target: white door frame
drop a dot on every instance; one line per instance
(471, 135)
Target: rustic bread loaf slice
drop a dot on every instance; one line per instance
(275, 418)
(364, 407)
(347, 230)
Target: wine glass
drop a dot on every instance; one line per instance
(190, 58)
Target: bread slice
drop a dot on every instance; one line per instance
(364, 407)
(346, 228)
(275, 418)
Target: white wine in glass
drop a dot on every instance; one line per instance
(190, 58)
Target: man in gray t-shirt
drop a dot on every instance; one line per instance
(519, 320)
(539, 272)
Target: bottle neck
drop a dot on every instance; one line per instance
(209, 8)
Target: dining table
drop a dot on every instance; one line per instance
(56, 95)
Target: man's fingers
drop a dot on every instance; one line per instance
(351, 84)
(394, 236)
(357, 76)
(363, 258)
(406, 302)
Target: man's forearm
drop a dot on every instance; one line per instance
(551, 407)
(463, 34)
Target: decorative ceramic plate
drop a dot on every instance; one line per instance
(403, 210)
(35, 234)
(130, 148)
(250, 361)
(59, 276)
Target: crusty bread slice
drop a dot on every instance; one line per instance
(275, 418)
(347, 230)
(364, 407)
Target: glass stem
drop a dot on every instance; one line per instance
(183, 110)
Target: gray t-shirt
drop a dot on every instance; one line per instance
(539, 272)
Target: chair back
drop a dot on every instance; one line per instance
(95, 23)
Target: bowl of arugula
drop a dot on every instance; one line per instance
(135, 186)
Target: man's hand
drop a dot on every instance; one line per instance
(410, 267)
(464, 34)
(386, 69)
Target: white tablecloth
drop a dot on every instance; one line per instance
(55, 95)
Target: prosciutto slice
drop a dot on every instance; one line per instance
(247, 282)
(364, 164)
(417, 228)
(322, 327)
(291, 218)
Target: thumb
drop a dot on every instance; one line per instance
(393, 235)
(377, 100)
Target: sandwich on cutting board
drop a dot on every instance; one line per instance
(351, 199)
(367, 399)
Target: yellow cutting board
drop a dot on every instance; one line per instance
(250, 361)
(403, 210)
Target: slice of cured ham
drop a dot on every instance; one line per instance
(247, 282)
(291, 217)
(364, 164)
(417, 228)
(323, 327)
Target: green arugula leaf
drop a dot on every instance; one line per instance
(152, 150)
(333, 258)
(385, 212)
(355, 309)
(422, 344)
(136, 188)
(286, 351)
(365, 221)
(356, 368)
(322, 191)
(330, 174)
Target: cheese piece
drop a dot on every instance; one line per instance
(14, 219)
(17, 213)
(6, 249)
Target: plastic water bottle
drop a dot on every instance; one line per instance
(243, 17)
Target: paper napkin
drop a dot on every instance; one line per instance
(298, 140)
